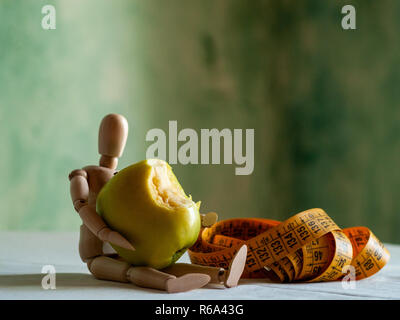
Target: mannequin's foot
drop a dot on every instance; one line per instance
(236, 268)
(187, 282)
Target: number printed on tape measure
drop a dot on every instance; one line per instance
(307, 247)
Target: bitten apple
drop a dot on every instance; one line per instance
(147, 205)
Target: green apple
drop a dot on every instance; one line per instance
(146, 204)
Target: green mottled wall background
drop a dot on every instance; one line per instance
(324, 102)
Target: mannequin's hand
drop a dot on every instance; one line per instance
(208, 219)
(108, 235)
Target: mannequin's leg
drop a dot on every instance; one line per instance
(229, 278)
(152, 278)
(115, 269)
(89, 245)
(107, 268)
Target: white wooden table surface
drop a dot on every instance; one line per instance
(23, 254)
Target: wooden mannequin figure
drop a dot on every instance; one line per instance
(86, 183)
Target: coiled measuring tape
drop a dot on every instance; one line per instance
(307, 247)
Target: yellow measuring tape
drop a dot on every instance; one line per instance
(307, 247)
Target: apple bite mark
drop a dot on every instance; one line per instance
(166, 189)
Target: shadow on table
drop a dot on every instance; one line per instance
(66, 280)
